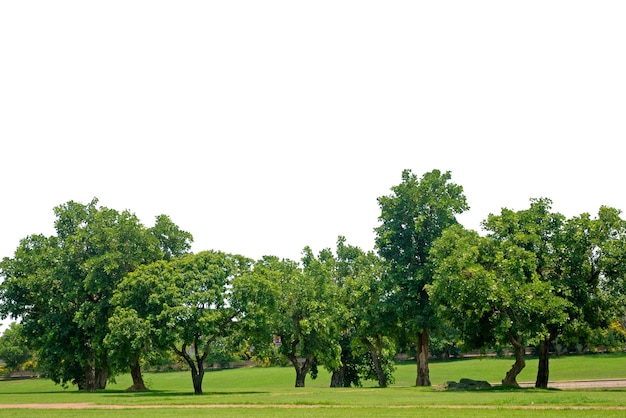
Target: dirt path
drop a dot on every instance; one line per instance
(581, 384)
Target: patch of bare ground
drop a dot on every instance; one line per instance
(581, 384)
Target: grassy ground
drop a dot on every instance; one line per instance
(270, 392)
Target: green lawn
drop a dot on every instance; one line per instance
(270, 392)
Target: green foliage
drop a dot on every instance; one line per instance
(412, 218)
(488, 289)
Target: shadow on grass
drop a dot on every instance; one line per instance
(501, 388)
(496, 388)
(167, 393)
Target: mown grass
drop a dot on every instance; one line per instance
(270, 392)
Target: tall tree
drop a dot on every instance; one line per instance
(185, 304)
(61, 286)
(412, 218)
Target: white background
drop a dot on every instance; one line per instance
(264, 126)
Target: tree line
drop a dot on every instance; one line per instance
(106, 295)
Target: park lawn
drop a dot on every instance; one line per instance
(270, 391)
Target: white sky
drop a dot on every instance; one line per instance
(264, 126)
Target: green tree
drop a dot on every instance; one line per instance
(129, 340)
(580, 258)
(367, 320)
(412, 218)
(490, 290)
(61, 285)
(294, 308)
(13, 347)
(183, 304)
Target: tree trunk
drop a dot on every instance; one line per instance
(90, 379)
(197, 367)
(135, 372)
(301, 369)
(423, 373)
(197, 375)
(543, 372)
(511, 376)
(377, 359)
(337, 380)
(102, 375)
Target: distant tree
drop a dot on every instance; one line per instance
(183, 304)
(13, 348)
(293, 308)
(412, 218)
(61, 286)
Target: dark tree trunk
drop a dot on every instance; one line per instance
(135, 372)
(543, 371)
(102, 375)
(377, 359)
(90, 379)
(301, 369)
(337, 380)
(511, 376)
(197, 375)
(423, 373)
(197, 367)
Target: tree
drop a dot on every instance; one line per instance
(13, 347)
(185, 305)
(490, 290)
(580, 258)
(589, 271)
(129, 340)
(367, 320)
(412, 218)
(294, 308)
(61, 285)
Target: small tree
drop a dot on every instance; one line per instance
(13, 348)
(296, 307)
(368, 319)
(185, 304)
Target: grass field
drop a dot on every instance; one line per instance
(270, 392)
